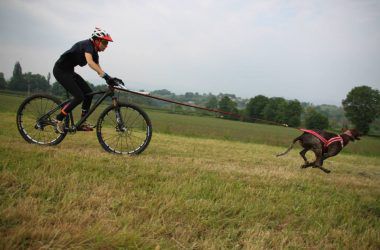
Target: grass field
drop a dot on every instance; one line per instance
(203, 183)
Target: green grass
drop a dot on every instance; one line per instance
(216, 128)
(186, 190)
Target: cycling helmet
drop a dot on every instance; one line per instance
(102, 34)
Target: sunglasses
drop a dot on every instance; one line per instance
(104, 42)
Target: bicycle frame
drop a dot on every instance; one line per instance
(121, 127)
(74, 126)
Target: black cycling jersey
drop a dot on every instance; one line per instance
(75, 55)
(64, 73)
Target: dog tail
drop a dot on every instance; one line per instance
(290, 147)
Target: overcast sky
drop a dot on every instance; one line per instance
(313, 51)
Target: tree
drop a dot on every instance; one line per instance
(48, 77)
(315, 120)
(28, 82)
(212, 103)
(189, 96)
(58, 90)
(35, 82)
(275, 110)
(227, 105)
(16, 82)
(362, 107)
(256, 106)
(17, 70)
(293, 113)
(163, 92)
(3, 82)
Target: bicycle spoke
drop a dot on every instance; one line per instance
(137, 116)
(121, 143)
(127, 138)
(30, 114)
(131, 136)
(113, 120)
(110, 138)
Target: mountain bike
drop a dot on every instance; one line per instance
(122, 128)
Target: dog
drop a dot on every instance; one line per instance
(323, 144)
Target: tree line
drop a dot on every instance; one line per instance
(25, 82)
(361, 106)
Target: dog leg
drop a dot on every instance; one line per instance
(307, 165)
(319, 164)
(303, 154)
(324, 169)
(333, 150)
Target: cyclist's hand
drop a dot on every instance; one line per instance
(118, 81)
(110, 80)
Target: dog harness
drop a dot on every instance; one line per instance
(326, 143)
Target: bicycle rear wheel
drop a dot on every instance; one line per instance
(34, 120)
(129, 135)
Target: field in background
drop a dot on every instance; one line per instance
(215, 128)
(202, 183)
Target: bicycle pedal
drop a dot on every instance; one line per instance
(85, 130)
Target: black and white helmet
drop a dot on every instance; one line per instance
(102, 34)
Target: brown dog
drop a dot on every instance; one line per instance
(323, 144)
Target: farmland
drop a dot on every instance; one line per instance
(203, 183)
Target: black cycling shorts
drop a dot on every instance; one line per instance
(75, 85)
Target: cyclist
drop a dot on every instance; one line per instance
(81, 53)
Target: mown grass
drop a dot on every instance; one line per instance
(182, 192)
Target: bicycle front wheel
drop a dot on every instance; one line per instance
(34, 120)
(125, 129)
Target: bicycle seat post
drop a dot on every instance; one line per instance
(114, 101)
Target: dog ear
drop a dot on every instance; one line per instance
(355, 134)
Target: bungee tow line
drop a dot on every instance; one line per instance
(148, 95)
(324, 141)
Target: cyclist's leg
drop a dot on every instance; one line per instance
(86, 102)
(67, 80)
(85, 90)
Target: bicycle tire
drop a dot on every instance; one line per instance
(46, 134)
(136, 134)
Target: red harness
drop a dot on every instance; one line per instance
(326, 143)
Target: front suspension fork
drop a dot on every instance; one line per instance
(119, 119)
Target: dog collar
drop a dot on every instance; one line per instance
(348, 132)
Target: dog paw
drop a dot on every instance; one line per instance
(325, 170)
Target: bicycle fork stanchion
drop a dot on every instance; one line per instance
(119, 119)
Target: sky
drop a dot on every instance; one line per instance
(314, 51)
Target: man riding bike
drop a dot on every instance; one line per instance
(81, 53)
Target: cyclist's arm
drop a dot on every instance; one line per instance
(94, 65)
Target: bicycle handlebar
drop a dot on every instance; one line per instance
(123, 88)
(118, 81)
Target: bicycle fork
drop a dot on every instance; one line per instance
(119, 119)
